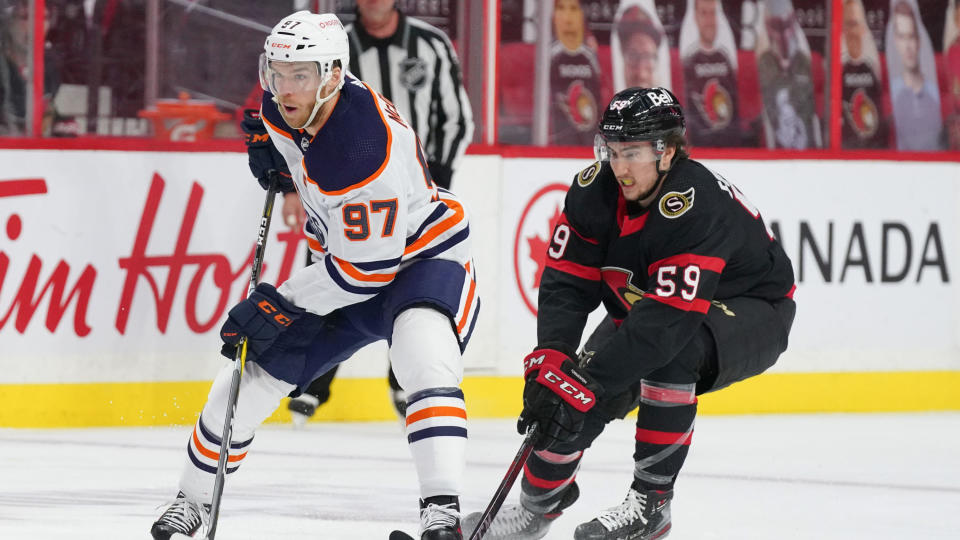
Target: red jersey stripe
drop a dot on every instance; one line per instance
(579, 270)
(714, 264)
(698, 304)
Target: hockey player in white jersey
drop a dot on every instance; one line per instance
(393, 263)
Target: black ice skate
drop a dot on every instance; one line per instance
(516, 522)
(302, 408)
(643, 515)
(182, 516)
(440, 518)
(399, 399)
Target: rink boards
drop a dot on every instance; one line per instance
(116, 269)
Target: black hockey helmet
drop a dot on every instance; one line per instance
(640, 114)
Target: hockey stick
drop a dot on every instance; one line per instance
(486, 519)
(239, 361)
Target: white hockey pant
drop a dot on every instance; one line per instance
(426, 360)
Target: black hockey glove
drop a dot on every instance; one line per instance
(557, 395)
(262, 155)
(261, 317)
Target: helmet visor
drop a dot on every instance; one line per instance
(631, 151)
(289, 77)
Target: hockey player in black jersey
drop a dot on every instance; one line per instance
(699, 296)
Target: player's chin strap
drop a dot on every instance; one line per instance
(661, 176)
(320, 100)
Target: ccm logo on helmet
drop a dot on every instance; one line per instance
(279, 45)
(660, 98)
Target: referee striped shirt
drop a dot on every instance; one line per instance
(418, 70)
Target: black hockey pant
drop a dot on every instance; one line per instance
(725, 350)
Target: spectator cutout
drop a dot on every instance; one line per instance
(639, 50)
(574, 77)
(786, 82)
(862, 124)
(913, 79)
(951, 67)
(708, 53)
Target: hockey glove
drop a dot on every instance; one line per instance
(261, 317)
(557, 395)
(262, 155)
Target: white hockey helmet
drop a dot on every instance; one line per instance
(306, 37)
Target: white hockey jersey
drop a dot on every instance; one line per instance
(371, 206)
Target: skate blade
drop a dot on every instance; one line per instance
(299, 420)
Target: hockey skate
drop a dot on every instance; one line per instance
(302, 408)
(399, 399)
(183, 516)
(440, 519)
(515, 522)
(643, 515)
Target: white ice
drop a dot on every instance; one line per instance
(823, 477)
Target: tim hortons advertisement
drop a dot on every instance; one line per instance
(121, 266)
(874, 247)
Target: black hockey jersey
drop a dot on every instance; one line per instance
(657, 270)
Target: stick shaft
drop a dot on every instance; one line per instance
(238, 365)
(486, 519)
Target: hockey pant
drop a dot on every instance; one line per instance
(426, 315)
(725, 350)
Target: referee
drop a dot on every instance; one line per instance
(414, 65)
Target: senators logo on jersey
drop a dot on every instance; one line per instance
(674, 204)
(619, 281)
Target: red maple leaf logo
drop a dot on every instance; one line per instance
(538, 247)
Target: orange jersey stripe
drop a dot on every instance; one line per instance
(314, 244)
(210, 454)
(431, 412)
(466, 308)
(275, 128)
(439, 228)
(353, 272)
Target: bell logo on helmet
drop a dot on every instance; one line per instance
(660, 98)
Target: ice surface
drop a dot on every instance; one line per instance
(823, 477)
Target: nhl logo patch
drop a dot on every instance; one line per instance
(413, 74)
(674, 204)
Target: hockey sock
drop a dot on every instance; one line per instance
(546, 476)
(203, 453)
(260, 394)
(437, 435)
(664, 432)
